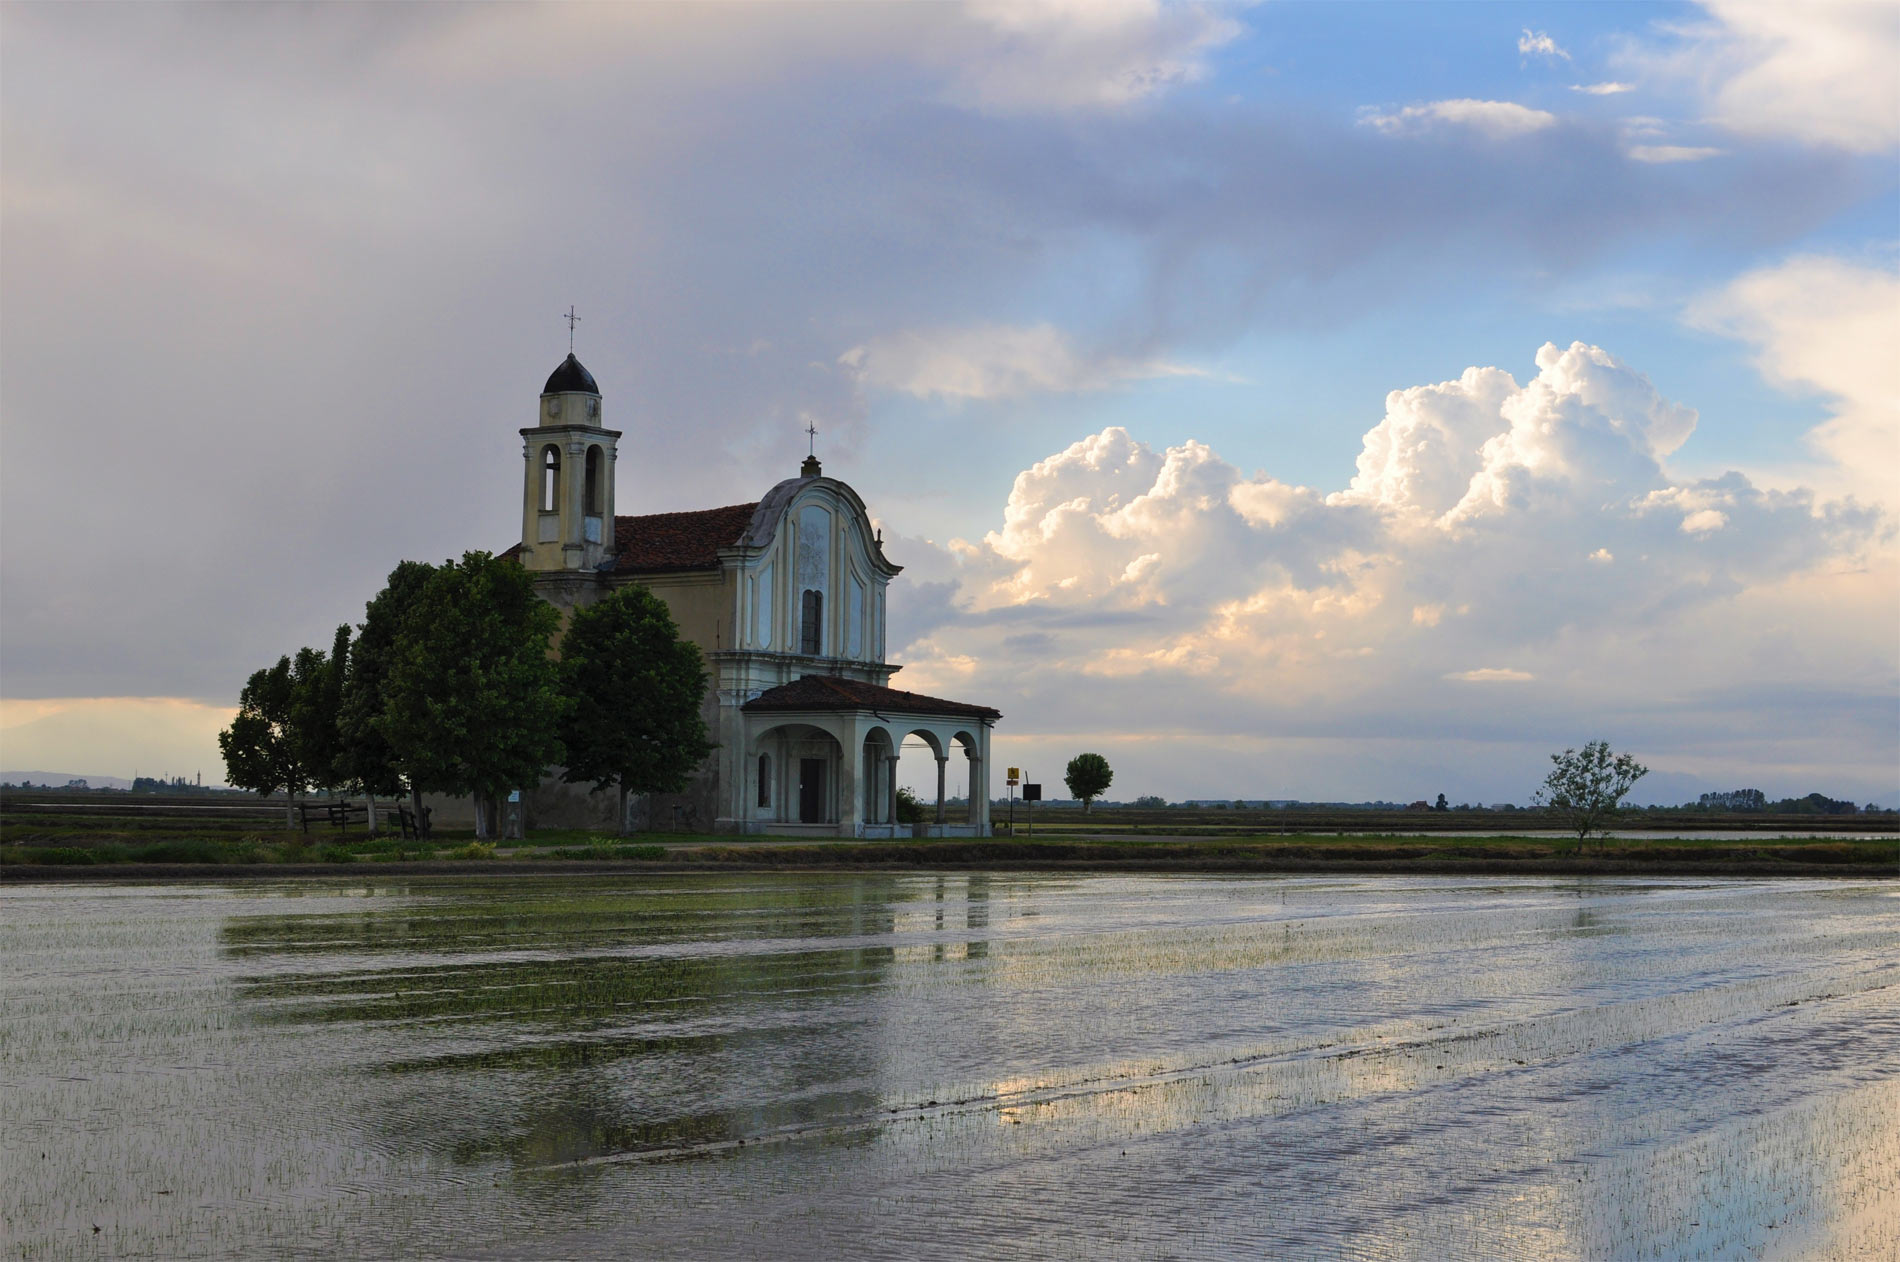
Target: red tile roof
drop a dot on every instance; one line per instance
(678, 541)
(666, 542)
(833, 692)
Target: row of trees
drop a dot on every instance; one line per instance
(449, 685)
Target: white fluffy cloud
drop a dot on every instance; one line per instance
(1498, 120)
(1829, 326)
(994, 361)
(1538, 44)
(1495, 533)
(1820, 73)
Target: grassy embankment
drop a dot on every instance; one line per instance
(75, 835)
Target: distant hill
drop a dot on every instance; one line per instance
(58, 779)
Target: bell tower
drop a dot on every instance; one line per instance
(567, 503)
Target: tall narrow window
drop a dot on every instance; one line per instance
(592, 489)
(811, 623)
(551, 479)
(765, 779)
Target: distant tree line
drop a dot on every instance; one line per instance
(450, 685)
(1754, 800)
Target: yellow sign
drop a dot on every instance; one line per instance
(1015, 774)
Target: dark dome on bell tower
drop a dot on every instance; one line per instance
(571, 378)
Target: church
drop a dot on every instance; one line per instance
(785, 598)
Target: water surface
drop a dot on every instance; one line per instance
(967, 1065)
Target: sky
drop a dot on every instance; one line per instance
(1336, 402)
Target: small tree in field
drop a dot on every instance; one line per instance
(635, 690)
(261, 749)
(1585, 787)
(1088, 777)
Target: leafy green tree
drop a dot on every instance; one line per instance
(1088, 777)
(635, 690)
(472, 699)
(1151, 801)
(316, 707)
(367, 757)
(260, 748)
(1586, 786)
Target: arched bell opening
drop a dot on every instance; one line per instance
(550, 479)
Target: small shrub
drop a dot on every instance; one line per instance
(337, 854)
(183, 851)
(475, 850)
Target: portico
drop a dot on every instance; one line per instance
(821, 758)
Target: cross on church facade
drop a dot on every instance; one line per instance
(811, 432)
(572, 320)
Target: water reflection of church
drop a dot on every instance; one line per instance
(785, 597)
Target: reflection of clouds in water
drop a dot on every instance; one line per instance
(812, 1066)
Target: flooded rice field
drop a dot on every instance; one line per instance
(916, 1066)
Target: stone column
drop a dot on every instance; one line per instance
(979, 796)
(943, 761)
(890, 789)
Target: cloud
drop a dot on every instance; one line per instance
(1609, 88)
(1815, 73)
(114, 736)
(1089, 54)
(1538, 44)
(1498, 120)
(1672, 153)
(1828, 326)
(1534, 523)
(310, 333)
(994, 362)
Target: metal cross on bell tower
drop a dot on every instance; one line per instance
(572, 320)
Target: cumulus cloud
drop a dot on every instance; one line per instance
(1607, 88)
(1818, 73)
(1489, 521)
(1828, 326)
(1538, 44)
(1498, 120)
(994, 361)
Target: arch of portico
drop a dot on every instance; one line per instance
(852, 734)
(796, 777)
